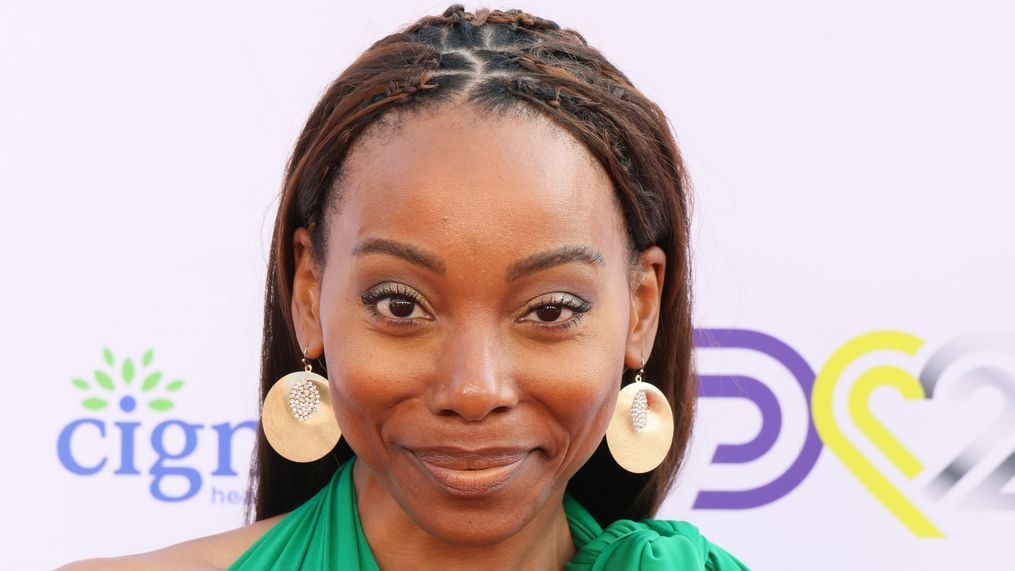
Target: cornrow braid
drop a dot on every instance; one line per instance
(497, 61)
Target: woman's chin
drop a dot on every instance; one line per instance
(482, 528)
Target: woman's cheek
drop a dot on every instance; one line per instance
(371, 376)
(591, 361)
(596, 376)
(577, 381)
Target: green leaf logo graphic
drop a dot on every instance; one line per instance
(160, 404)
(94, 403)
(128, 371)
(151, 381)
(120, 379)
(104, 380)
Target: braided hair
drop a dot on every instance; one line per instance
(497, 62)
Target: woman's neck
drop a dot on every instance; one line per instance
(398, 543)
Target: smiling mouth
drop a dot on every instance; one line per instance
(471, 473)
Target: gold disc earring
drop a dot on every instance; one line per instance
(297, 417)
(641, 432)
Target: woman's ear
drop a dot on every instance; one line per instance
(306, 295)
(646, 295)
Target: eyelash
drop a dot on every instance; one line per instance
(400, 291)
(579, 309)
(394, 291)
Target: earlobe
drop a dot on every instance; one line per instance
(646, 298)
(306, 293)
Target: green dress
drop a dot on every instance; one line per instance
(325, 533)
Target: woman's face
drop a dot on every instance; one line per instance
(476, 315)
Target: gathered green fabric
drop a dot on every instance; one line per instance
(646, 545)
(325, 533)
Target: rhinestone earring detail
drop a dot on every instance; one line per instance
(639, 406)
(297, 417)
(641, 431)
(304, 398)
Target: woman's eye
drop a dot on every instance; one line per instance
(551, 313)
(396, 304)
(399, 308)
(560, 311)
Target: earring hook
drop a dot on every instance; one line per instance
(641, 370)
(306, 364)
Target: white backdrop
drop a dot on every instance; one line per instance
(853, 165)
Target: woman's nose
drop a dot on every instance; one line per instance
(473, 377)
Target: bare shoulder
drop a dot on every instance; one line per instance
(204, 553)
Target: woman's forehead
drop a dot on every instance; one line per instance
(454, 180)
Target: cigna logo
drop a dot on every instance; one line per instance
(129, 402)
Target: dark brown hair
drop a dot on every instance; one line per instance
(496, 61)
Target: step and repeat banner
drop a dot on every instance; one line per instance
(853, 259)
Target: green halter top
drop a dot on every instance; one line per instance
(325, 533)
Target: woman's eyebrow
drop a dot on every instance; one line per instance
(402, 250)
(553, 257)
(528, 265)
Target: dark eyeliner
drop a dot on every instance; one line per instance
(564, 301)
(392, 290)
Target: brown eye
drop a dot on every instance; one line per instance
(393, 303)
(556, 311)
(551, 313)
(398, 307)
(548, 312)
(401, 307)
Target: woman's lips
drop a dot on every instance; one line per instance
(471, 473)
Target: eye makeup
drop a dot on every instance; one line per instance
(394, 303)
